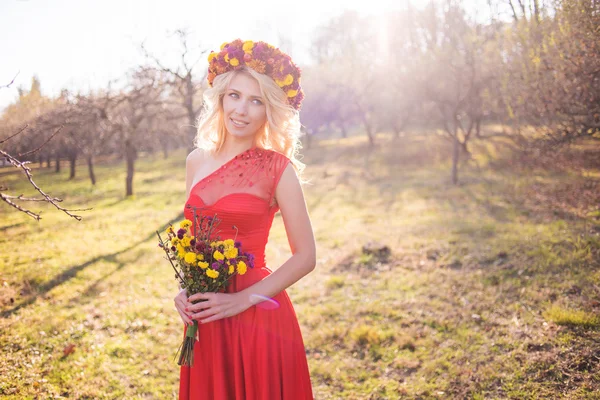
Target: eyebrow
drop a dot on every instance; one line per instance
(237, 91)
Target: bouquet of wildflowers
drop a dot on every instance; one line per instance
(202, 263)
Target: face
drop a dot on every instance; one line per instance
(244, 108)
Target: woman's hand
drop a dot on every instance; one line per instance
(216, 306)
(181, 304)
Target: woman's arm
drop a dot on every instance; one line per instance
(302, 243)
(300, 235)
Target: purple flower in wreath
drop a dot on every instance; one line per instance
(216, 265)
(193, 242)
(173, 248)
(180, 233)
(238, 244)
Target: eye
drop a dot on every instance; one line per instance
(258, 102)
(233, 94)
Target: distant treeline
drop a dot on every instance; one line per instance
(538, 70)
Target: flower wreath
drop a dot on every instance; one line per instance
(263, 58)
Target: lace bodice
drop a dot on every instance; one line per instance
(242, 194)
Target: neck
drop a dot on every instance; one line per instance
(233, 146)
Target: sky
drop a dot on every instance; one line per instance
(81, 45)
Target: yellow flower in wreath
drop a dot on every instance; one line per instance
(248, 44)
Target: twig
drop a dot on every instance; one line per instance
(53, 201)
(11, 82)
(43, 144)
(12, 136)
(30, 213)
(20, 197)
(163, 246)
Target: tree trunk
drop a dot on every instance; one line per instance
(343, 129)
(370, 135)
(464, 146)
(90, 163)
(130, 156)
(57, 167)
(455, 154)
(47, 161)
(189, 107)
(369, 128)
(396, 131)
(72, 164)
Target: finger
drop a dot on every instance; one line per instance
(186, 320)
(180, 303)
(206, 313)
(199, 296)
(198, 307)
(211, 319)
(182, 309)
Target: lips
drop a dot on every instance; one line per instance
(238, 123)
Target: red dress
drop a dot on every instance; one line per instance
(258, 354)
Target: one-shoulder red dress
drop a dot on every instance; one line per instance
(258, 354)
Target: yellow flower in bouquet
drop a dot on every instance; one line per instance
(241, 267)
(231, 252)
(202, 263)
(190, 257)
(218, 255)
(212, 273)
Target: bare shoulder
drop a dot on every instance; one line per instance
(192, 163)
(195, 156)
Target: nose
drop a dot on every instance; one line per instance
(241, 108)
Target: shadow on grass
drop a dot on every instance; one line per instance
(72, 271)
(7, 227)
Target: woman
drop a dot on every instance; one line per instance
(244, 170)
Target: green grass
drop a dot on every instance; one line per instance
(491, 291)
(562, 316)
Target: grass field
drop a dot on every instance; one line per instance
(491, 291)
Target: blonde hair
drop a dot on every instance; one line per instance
(280, 131)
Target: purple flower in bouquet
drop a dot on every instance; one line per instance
(250, 259)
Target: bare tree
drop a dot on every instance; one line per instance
(346, 53)
(453, 74)
(132, 113)
(22, 165)
(184, 80)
